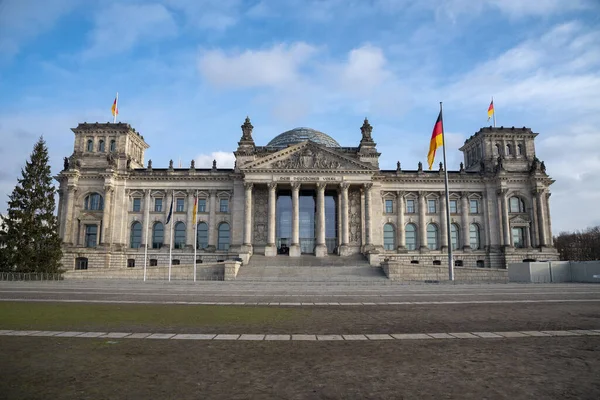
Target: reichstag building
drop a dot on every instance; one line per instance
(302, 194)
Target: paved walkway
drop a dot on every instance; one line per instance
(267, 337)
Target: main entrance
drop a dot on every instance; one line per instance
(308, 223)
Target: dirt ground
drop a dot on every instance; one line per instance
(77, 368)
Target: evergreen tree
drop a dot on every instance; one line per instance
(30, 242)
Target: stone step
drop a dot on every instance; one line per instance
(308, 261)
(311, 274)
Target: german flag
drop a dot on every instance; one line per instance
(491, 110)
(114, 108)
(437, 139)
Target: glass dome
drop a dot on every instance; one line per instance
(298, 135)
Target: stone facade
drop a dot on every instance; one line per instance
(114, 207)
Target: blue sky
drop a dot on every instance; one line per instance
(189, 71)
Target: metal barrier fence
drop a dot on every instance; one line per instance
(30, 276)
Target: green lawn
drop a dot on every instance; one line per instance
(61, 316)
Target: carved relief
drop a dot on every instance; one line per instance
(308, 159)
(354, 216)
(261, 196)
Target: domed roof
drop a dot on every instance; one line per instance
(298, 135)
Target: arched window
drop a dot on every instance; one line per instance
(179, 242)
(519, 149)
(90, 145)
(113, 146)
(432, 237)
(202, 236)
(454, 236)
(389, 237)
(410, 236)
(94, 202)
(509, 150)
(101, 146)
(516, 205)
(478, 152)
(135, 239)
(223, 241)
(498, 152)
(474, 241)
(158, 235)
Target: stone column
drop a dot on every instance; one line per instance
(189, 226)
(212, 221)
(321, 247)
(443, 222)
(107, 215)
(271, 248)
(368, 228)
(550, 239)
(400, 221)
(295, 246)
(344, 186)
(465, 221)
(541, 200)
(69, 217)
(422, 223)
(534, 222)
(248, 214)
(505, 220)
(146, 218)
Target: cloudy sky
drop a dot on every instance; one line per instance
(189, 71)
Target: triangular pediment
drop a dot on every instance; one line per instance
(307, 156)
(520, 220)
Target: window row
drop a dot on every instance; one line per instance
(433, 241)
(432, 206)
(179, 205)
(509, 150)
(179, 235)
(101, 145)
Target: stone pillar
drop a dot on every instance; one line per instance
(422, 223)
(344, 186)
(443, 222)
(321, 247)
(107, 215)
(465, 221)
(248, 214)
(368, 228)
(505, 220)
(146, 219)
(550, 239)
(212, 221)
(295, 246)
(400, 224)
(541, 200)
(69, 217)
(271, 248)
(535, 227)
(189, 225)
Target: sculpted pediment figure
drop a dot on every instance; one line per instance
(305, 156)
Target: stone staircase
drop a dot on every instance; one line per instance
(308, 268)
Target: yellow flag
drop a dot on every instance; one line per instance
(195, 211)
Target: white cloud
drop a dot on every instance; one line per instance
(279, 65)
(224, 159)
(22, 20)
(119, 27)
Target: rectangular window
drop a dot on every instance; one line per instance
(224, 205)
(410, 206)
(180, 204)
(474, 207)
(201, 205)
(453, 207)
(153, 262)
(389, 206)
(158, 205)
(431, 206)
(91, 235)
(518, 235)
(137, 204)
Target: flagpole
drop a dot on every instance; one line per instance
(195, 232)
(171, 229)
(449, 235)
(116, 109)
(147, 223)
(494, 114)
